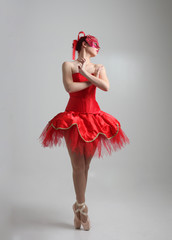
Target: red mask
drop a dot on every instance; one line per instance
(91, 40)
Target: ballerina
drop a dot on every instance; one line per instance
(87, 130)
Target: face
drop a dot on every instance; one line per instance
(93, 42)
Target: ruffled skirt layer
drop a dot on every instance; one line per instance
(86, 134)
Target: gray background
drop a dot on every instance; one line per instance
(129, 193)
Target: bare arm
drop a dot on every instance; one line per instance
(69, 85)
(101, 82)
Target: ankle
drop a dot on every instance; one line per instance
(80, 203)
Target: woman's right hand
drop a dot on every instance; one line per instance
(98, 70)
(81, 64)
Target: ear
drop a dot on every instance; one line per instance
(84, 44)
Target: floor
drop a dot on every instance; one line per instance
(127, 216)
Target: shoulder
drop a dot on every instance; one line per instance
(66, 67)
(66, 64)
(97, 66)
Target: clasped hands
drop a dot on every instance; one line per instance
(82, 67)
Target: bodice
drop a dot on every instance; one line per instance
(83, 100)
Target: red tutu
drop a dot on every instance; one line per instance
(87, 129)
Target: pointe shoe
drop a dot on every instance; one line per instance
(86, 225)
(77, 221)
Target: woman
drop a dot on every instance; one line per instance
(87, 130)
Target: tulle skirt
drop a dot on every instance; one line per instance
(88, 134)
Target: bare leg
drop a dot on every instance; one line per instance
(80, 165)
(87, 165)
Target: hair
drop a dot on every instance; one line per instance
(79, 43)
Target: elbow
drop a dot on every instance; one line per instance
(68, 88)
(106, 88)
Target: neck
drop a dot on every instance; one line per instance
(84, 55)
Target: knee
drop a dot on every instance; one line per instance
(79, 168)
(87, 166)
